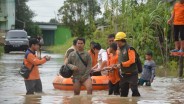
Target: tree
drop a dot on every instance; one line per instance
(24, 18)
(145, 22)
(53, 20)
(79, 15)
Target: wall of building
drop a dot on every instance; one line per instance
(3, 13)
(62, 34)
(7, 14)
(11, 14)
(54, 34)
(48, 37)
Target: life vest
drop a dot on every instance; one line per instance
(123, 57)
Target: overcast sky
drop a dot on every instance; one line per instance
(45, 9)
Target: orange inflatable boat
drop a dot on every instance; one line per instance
(98, 82)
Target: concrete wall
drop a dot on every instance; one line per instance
(11, 14)
(3, 13)
(7, 14)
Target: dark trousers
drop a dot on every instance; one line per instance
(178, 32)
(113, 88)
(142, 81)
(96, 74)
(129, 81)
(33, 86)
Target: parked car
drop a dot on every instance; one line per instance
(16, 40)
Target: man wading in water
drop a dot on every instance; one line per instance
(33, 83)
(80, 62)
(127, 63)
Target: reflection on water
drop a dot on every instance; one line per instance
(12, 88)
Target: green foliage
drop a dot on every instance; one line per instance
(1, 50)
(170, 70)
(23, 13)
(53, 20)
(61, 48)
(24, 16)
(146, 23)
(33, 30)
(80, 15)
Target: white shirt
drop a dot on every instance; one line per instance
(102, 56)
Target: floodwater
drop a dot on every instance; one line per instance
(12, 88)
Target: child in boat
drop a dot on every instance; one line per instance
(113, 73)
(148, 73)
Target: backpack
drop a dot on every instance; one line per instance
(24, 71)
(137, 60)
(65, 71)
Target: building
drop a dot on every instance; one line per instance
(54, 34)
(7, 14)
(7, 17)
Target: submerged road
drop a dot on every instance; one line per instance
(12, 88)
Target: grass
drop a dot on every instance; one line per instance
(170, 69)
(61, 49)
(165, 72)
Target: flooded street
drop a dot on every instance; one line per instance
(12, 88)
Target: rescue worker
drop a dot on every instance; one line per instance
(80, 62)
(110, 40)
(94, 56)
(33, 83)
(177, 18)
(127, 63)
(113, 72)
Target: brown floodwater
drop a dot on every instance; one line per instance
(12, 89)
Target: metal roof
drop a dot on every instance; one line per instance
(48, 26)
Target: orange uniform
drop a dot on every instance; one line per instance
(114, 74)
(178, 14)
(31, 60)
(108, 53)
(131, 56)
(94, 58)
